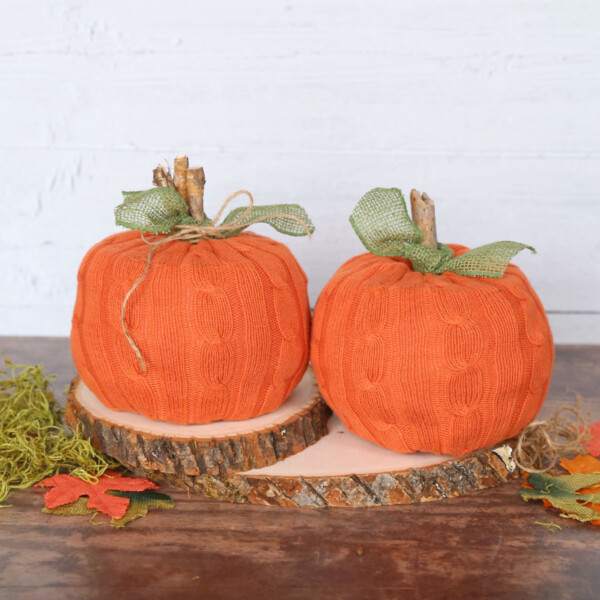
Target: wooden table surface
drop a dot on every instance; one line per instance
(486, 545)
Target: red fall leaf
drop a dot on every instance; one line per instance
(593, 446)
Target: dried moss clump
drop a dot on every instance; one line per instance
(34, 443)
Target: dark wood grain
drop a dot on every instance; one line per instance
(485, 545)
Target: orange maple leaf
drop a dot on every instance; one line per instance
(582, 463)
(67, 489)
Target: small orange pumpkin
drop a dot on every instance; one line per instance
(222, 324)
(438, 362)
(223, 327)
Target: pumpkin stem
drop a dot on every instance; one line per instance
(180, 167)
(189, 183)
(195, 188)
(162, 177)
(423, 216)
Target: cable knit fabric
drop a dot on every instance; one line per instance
(438, 363)
(222, 324)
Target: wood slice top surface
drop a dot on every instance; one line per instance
(344, 453)
(302, 398)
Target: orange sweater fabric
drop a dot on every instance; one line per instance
(223, 326)
(438, 363)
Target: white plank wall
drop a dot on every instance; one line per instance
(491, 107)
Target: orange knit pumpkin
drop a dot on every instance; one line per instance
(223, 326)
(442, 363)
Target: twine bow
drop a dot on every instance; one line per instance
(381, 221)
(164, 210)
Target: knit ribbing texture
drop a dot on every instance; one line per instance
(223, 325)
(436, 363)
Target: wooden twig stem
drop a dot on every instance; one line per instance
(180, 168)
(423, 215)
(162, 178)
(195, 190)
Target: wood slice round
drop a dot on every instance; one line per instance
(212, 450)
(342, 469)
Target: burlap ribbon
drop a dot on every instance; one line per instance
(162, 210)
(381, 221)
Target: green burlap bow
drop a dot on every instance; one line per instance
(164, 210)
(381, 221)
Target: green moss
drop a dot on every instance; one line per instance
(34, 443)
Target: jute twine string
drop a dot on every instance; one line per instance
(194, 233)
(542, 443)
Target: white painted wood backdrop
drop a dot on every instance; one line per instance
(491, 107)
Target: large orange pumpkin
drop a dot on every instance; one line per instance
(443, 363)
(223, 325)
